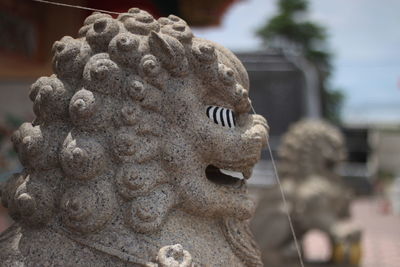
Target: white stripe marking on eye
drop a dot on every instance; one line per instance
(221, 116)
(230, 118)
(224, 118)
(218, 115)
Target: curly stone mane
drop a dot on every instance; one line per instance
(310, 147)
(121, 135)
(99, 118)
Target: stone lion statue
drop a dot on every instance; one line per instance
(125, 154)
(317, 198)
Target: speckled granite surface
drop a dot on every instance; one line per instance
(124, 156)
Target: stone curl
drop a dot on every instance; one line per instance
(106, 91)
(32, 198)
(88, 208)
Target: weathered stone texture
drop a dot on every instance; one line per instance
(122, 158)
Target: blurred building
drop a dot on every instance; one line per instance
(385, 156)
(357, 169)
(285, 89)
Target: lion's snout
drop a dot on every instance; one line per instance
(253, 139)
(258, 129)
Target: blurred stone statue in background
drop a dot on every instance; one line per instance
(122, 164)
(317, 197)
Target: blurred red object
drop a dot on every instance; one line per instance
(196, 13)
(385, 207)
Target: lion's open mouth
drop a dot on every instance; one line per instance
(225, 177)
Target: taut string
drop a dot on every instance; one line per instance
(278, 180)
(75, 6)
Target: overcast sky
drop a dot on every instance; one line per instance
(364, 36)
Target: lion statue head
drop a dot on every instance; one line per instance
(311, 147)
(130, 136)
(317, 198)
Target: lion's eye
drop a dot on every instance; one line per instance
(221, 116)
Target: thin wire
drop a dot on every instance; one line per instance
(284, 201)
(251, 105)
(74, 6)
(286, 208)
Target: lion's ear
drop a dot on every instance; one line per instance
(170, 51)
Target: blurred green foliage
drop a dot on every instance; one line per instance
(7, 154)
(13, 121)
(289, 30)
(385, 176)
